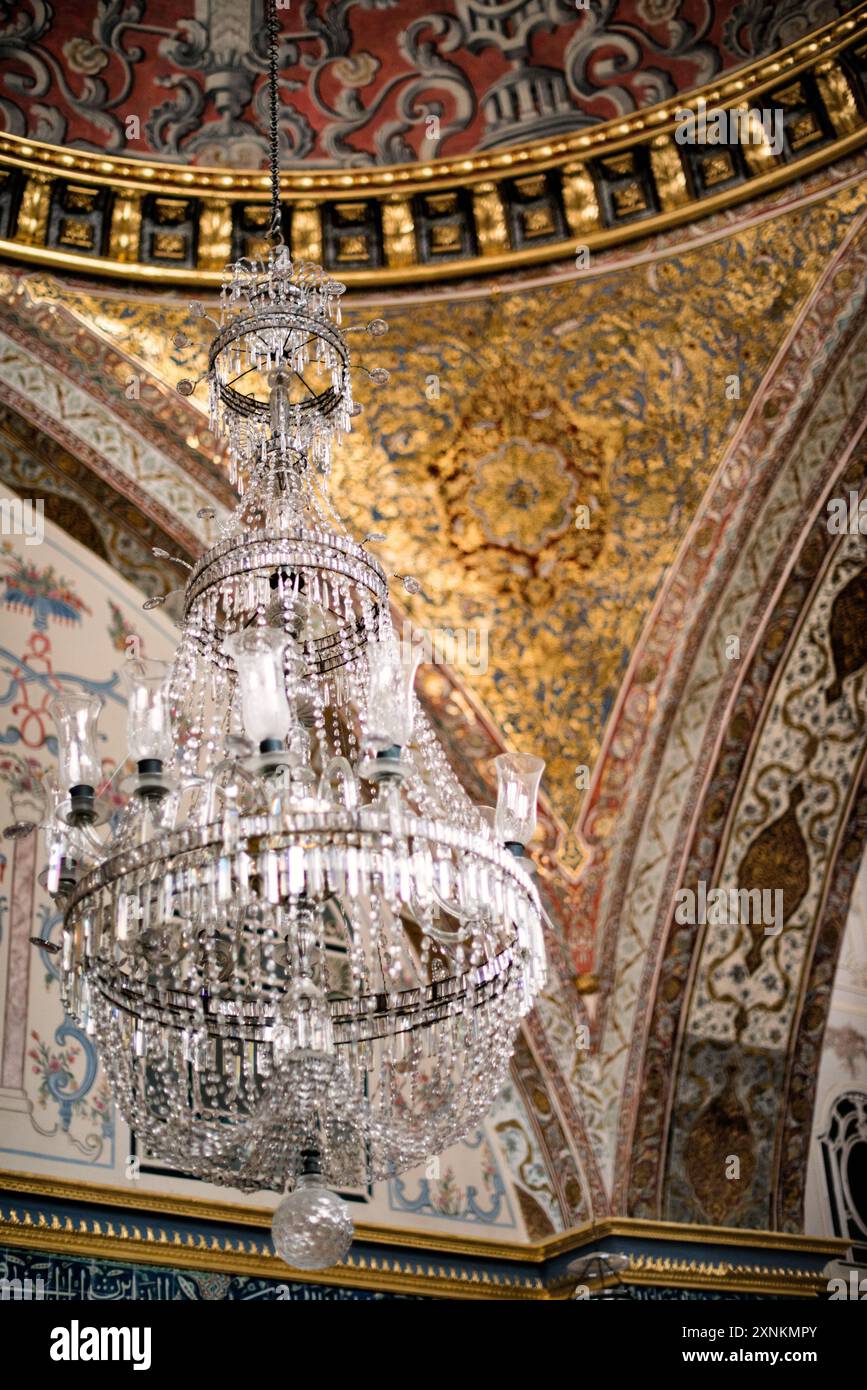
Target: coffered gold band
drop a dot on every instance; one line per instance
(546, 201)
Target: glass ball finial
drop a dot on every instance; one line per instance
(312, 1227)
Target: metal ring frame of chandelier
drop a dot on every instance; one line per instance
(323, 404)
(296, 550)
(288, 837)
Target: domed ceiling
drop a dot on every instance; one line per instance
(697, 649)
(364, 81)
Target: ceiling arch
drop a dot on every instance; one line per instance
(746, 763)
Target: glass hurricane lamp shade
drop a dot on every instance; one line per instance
(312, 1227)
(518, 777)
(390, 694)
(258, 656)
(149, 725)
(75, 719)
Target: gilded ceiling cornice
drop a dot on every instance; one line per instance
(93, 1238)
(149, 1230)
(169, 225)
(197, 1208)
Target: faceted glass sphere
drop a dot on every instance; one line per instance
(312, 1228)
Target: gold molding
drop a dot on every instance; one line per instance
(141, 1243)
(202, 181)
(161, 276)
(691, 1274)
(639, 1228)
(735, 1278)
(579, 200)
(490, 217)
(146, 1243)
(636, 1228)
(398, 232)
(125, 228)
(838, 97)
(33, 213)
(215, 235)
(758, 153)
(669, 174)
(387, 191)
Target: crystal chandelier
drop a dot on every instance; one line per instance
(301, 949)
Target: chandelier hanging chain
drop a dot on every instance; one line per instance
(275, 230)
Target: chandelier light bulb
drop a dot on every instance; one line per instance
(312, 1227)
(518, 777)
